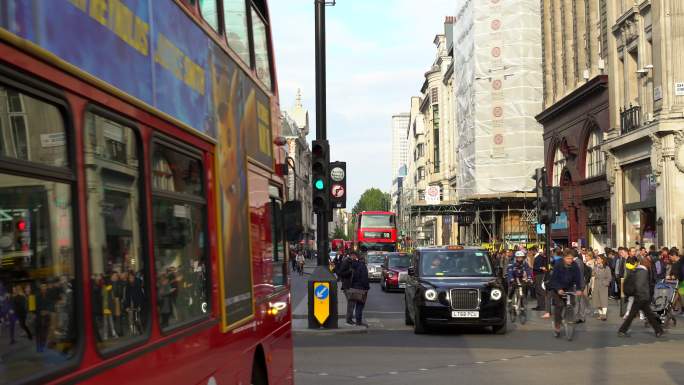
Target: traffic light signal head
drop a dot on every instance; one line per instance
(338, 185)
(320, 164)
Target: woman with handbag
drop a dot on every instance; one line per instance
(359, 289)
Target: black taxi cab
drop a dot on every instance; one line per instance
(454, 286)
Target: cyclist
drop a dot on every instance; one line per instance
(518, 272)
(566, 276)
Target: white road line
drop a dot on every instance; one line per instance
(360, 376)
(503, 359)
(322, 374)
(393, 373)
(451, 365)
(479, 362)
(423, 369)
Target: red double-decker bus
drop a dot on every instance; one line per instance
(376, 231)
(131, 249)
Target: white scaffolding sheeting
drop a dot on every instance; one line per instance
(498, 64)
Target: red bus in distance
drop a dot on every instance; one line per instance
(375, 231)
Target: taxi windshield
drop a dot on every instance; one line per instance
(375, 258)
(462, 263)
(398, 260)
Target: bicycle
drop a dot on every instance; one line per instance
(568, 321)
(518, 306)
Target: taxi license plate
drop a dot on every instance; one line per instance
(465, 314)
(402, 285)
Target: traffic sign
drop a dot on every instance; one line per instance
(337, 191)
(321, 301)
(337, 174)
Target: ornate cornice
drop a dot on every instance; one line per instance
(679, 150)
(656, 156)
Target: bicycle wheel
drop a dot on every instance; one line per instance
(522, 312)
(569, 323)
(513, 313)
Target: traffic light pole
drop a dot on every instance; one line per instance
(322, 284)
(321, 123)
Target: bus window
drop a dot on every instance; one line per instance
(179, 228)
(235, 17)
(120, 304)
(37, 270)
(262, 63)
(210, 13)
(279, 266)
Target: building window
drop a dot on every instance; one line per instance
(421, 173)
(640, 184)
(117, 261)
(210, 13)
(435, 131)
(559, 163)
(261, 56)
(237, 34)
(434, 98)
(38, 282)
(421, 195)
(178, 209)
(596, 161)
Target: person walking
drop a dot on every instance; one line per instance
(359, 289)
(541, 262)
(636, 286)
(601, 278)
(345, 274)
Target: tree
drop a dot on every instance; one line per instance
(338, 233)
(372, 199)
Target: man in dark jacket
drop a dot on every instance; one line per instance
(637, 286)
(345, 274)
(566, 276)
(541, 262)
(359, 285)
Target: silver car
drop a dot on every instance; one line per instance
(374, 261)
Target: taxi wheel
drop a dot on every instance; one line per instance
(500, 329)
(419, 326)
(383, 286)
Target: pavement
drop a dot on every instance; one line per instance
(388, 352)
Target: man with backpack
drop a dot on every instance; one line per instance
(345, 274)
(636, 285)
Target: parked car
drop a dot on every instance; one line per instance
(374, 261)
(395, 271)
(454, 286)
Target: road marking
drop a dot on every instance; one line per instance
(360, 376)
(479, 362)
(503, 359)
(393, 373)
(451, 365)
(423, 369)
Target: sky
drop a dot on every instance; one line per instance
(377, 53)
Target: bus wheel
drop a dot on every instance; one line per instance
(259, 376)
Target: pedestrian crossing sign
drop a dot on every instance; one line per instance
(321, 301)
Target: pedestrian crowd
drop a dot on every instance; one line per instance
(639, 278)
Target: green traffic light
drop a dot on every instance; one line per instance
(319, 184)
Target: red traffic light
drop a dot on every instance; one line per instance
(21, 225)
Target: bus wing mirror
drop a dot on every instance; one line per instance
(292, 219)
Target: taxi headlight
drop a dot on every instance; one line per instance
(496, 294)
(430, 294)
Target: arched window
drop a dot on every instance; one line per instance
(558, 166)
(596, 160)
